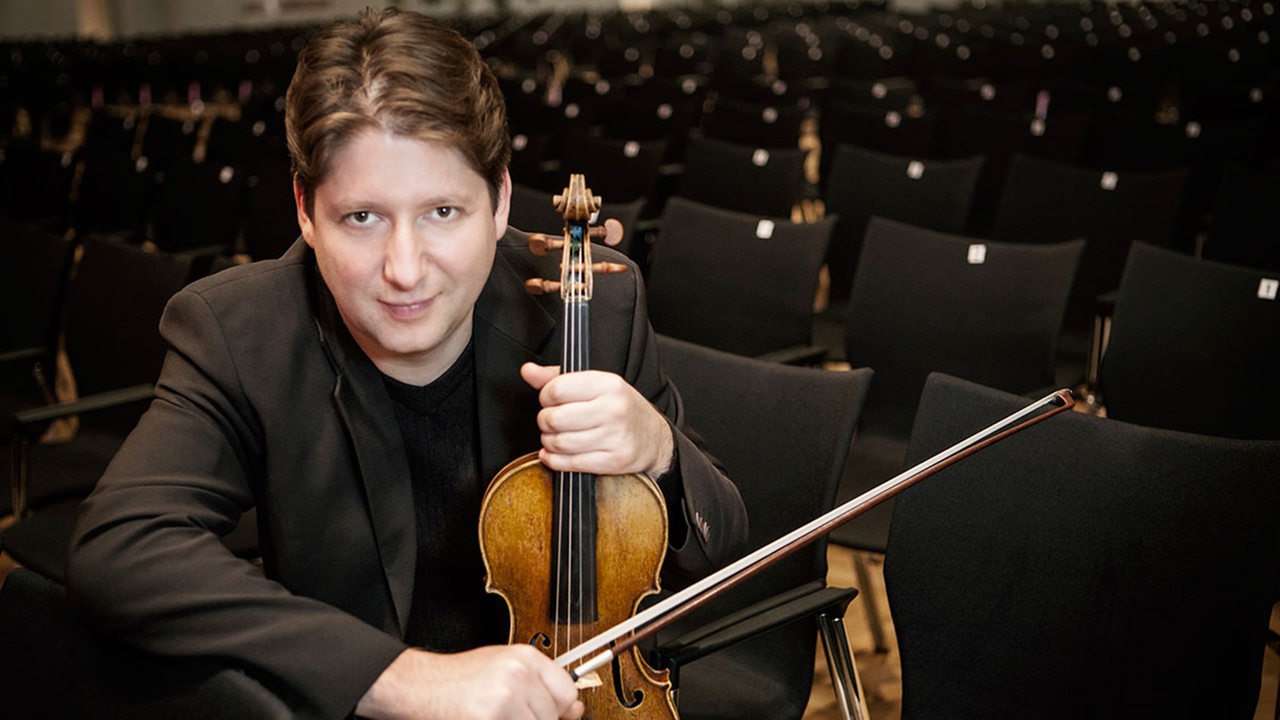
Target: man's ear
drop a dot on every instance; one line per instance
(502, 212)
(304, 220)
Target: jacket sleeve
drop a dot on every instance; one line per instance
(146, 562)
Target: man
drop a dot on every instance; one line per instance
(359, 393)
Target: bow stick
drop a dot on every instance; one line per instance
(610, 643)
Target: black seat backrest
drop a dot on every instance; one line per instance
(925, 301)
(54, 666)
(113, 313)
(737, 282)
(1085, 567)
(1193, 346)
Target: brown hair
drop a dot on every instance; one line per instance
(401, 72)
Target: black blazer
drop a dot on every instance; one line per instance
(266, 401)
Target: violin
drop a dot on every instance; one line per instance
(572, 553)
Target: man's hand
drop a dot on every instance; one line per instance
(595, 422)
(500, 682)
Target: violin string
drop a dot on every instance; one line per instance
(570, 489)
(565, 551)
(579, 480)
(571, 554)
(559, 479)
(586, 549)
(580, 576)
(570, 577)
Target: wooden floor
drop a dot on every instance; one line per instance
(880, 672)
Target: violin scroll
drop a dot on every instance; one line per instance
(576, 203)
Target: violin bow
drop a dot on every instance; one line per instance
(612, 642)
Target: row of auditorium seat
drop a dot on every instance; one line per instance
(121, 185)
(1190, 62)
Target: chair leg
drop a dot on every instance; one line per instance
(19, 466)
(1097, 348)
(844, 672)
(867, 590)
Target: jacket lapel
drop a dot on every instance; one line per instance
(511, 328)
(365, 408)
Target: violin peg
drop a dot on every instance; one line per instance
(610, 232)
(540, 244)
(607, 268)
(538, 286)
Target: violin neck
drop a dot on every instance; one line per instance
(576, 355)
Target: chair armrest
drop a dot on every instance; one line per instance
(27, 424)
(720, 623)
(27, 353)
(804, 601)
(26, 419)
(796, 355)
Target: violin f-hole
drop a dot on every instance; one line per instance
(626, 698)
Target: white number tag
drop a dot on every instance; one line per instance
(1267, 288)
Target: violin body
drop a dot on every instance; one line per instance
(518, 544)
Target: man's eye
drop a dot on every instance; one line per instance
(360, 217)
(444, 213)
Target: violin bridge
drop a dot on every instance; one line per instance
(588, 681)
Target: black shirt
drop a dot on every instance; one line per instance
(451, 610)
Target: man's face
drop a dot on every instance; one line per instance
(405, 232)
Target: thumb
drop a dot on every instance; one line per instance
(538, 375)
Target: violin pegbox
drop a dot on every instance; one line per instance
(577, 205)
